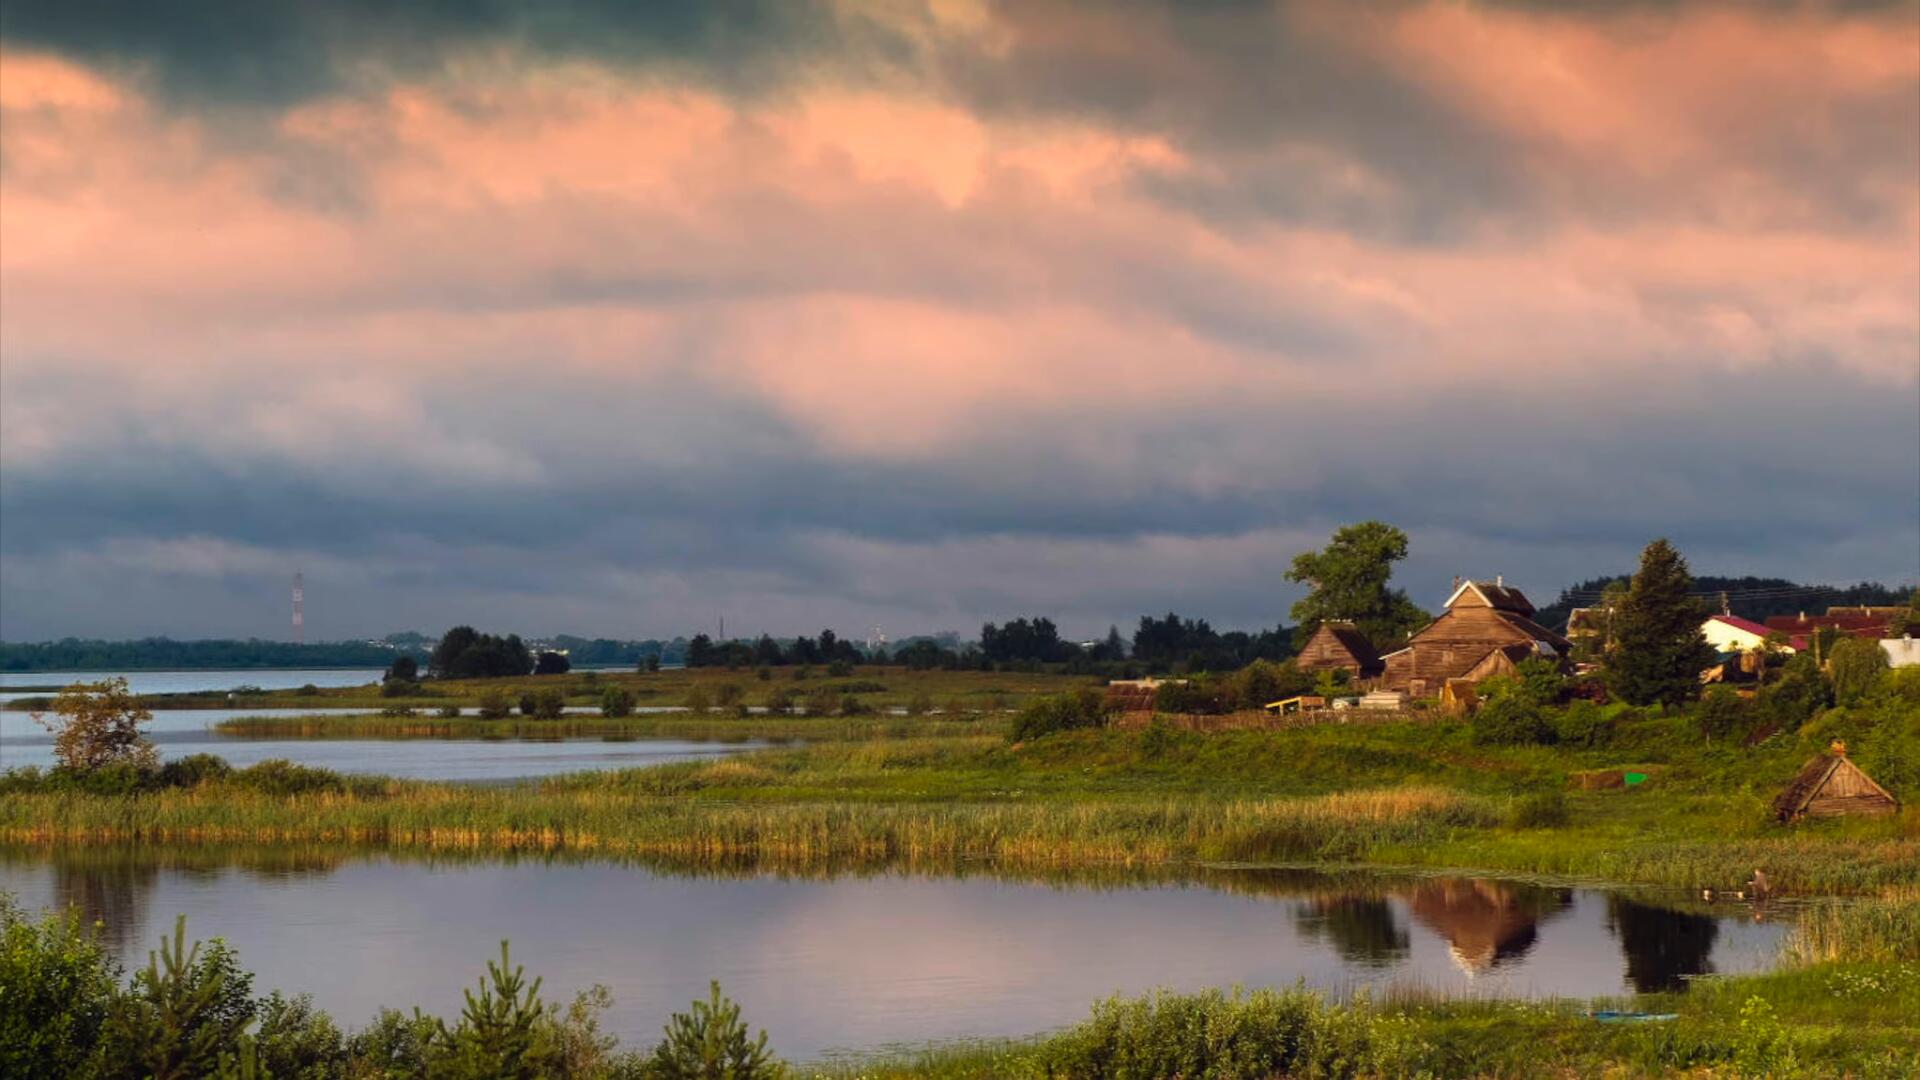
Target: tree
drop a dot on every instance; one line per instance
(465, 653)
(1856, 667)
(1658, 650)
(1347, 582)
(712, 1043)
(99, 725)
(551, 663)
(616, 701)
(404, 669)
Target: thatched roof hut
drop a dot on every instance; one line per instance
(1829, 786)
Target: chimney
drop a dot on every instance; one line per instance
(1499, 581)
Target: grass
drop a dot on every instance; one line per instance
(1406, 795)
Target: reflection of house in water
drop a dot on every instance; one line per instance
(1485, 922)
(1360, 928)
(1663, 946)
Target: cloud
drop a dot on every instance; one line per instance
(944, 316)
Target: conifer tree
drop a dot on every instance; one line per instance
(1658, 650)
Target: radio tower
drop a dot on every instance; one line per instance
(299, 616)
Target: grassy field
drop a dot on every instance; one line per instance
(877, 687)
(1405, 795)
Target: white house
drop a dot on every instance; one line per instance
(1731, 633)
(1902, 651)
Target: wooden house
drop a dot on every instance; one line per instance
(1829, 786)
(1339, 646)
(1486, 630)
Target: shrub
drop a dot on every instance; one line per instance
(1243, 1037)
(307, 690)
(919, 705)
(278, 776)
(1190, 696)
(494, 704)
(58, 984)
(1857, 665)
(449, 712)
(183, 1010)
(728, 694)
(616, 701)
(839, 669)
(1583, 724)
(1511, 719)
(697, 700)
(853, 706)
(821, 702)
(547, 704)
(763, 673)
(781, 701)
(194, 770)
(399, 688)
(1721, 712)
(397, 710)
(1082, 708)
(712, 1043)
(1542, 810)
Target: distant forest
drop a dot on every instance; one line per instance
(1034, 640)
(1748, 597)
(164, 654)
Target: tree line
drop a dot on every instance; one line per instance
(166, 654)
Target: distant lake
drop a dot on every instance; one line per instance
(864, 961)
(179, 732)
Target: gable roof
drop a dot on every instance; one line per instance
(1813, 777)
(1352, 640)
(1496, 595)
(1739, 623)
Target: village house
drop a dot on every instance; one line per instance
(1733, 634)
(1340, 646)
(1486, 629)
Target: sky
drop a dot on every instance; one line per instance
(578, 316)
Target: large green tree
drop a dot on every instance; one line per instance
(1658, 650)
(1348, 582)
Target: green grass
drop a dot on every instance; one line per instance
(1406, 795)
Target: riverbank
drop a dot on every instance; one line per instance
(1408, 795)
(875, 687)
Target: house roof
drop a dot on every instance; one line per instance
(1739, 623)
(1496, 595)
(1855, 623)
(1352, 640)
(1814, 776)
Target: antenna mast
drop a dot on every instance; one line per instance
(299, 612)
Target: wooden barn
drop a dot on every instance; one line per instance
(1829, 786)
(1339, 646)
(1486, 630)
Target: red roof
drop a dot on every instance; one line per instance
(1739, 623)
(1857, 625)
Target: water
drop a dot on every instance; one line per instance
(863, 962)
(179, 732)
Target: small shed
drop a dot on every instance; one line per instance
(1338, 646)
(1829, 786)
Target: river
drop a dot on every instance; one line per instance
(865, 961)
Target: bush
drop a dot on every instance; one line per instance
(1511, 720)
(1253, 1036)
(399, 688)
(307, 690)
(616, 701)
(494, 704)
(1543, 810)
(1584, 724)
(449, 712)
(781, 701)
(397, 710)
(404, 669)
(278, 776)
(853, 706)
(712, 1043)
(919, 705)
(1721, 713)
(544, 704)
(194, 770)
(1085, 708)
(697, 700)
(821, 702)
(1857, 665)
(839, 669)
(728, 695)
(58, 985)
(1190, 696)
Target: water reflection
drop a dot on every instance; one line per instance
(867, 954)
(1663, 946)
